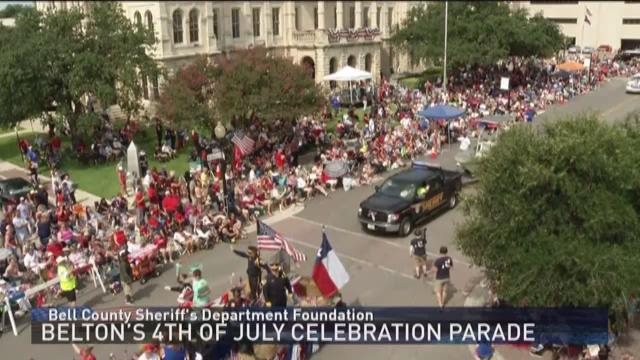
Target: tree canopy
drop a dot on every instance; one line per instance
(185, 96)
(243, 85)
(479, 33)
(555, 218)
(14, 10)
(55, 59)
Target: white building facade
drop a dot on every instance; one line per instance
(593, 23)
(322, 35)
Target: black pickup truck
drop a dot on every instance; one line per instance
(408, 197)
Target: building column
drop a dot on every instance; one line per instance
(383, 19)
(358, 23)
(321, 21)
(339, 15)
(289, 21)
(373, 15)
(268, 24)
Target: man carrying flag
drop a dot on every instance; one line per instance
(328, 272)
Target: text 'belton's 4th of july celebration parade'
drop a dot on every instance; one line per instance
(326, 325)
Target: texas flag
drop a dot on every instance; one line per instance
(328, 272)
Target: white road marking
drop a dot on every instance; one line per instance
(370, 238)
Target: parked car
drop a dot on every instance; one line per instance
(397, 205)
(574, 49)
(633, 85)
(588, 50)
(12, 189)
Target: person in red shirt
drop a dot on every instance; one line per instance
(56, 143)
(170, 202)
(141, 206)
(55, 248)
(152, 194)
(119, 237)
(280, 160)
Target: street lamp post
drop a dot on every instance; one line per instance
(220, 133)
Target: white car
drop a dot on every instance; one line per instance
(633, 85)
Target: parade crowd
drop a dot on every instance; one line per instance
(160, 216)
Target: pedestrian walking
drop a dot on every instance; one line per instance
(68, 281)
(442, 268)
(418, 250)
(126, 275)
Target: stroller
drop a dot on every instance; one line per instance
(145, 266)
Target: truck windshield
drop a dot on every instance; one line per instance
(403, 190)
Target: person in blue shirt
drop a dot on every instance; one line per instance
(484, 351)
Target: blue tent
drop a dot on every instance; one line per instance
(441, 112)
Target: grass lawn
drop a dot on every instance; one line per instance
(417, 82)
(100, 180)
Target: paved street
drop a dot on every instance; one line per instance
(380, 267)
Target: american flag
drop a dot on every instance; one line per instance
(269, 239)
(243, 142)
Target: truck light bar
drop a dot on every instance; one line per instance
(425, 165)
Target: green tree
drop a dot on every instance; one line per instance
(58, 58)
(256, 82)
(555, 217)
(185, 99)
(478, 33)
(14, 10)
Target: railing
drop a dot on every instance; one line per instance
(352, 35)
(306, 37)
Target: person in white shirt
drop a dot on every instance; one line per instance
(147, 180)
(31, 259)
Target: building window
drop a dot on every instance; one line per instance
(275, 21)
(351, 61)
(235, 23)
(137, 18)
(296, 18)
(629, 21)
(215, 23)
(563, 20)
(193, 25)
(145, 88)
(352, 17)
(390, 19)
(177, 27)
(553, 2)
(333, 67)
(378, 15)
(365, 17)
(256, 21)
(156, 87)
(367, 62)
(149, 18)
(315, 18)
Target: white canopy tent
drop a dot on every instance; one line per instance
(349, 74)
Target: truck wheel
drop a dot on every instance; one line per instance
(405, 227)
(453, 201)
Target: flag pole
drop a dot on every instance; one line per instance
(583, 22)
(444, 68)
